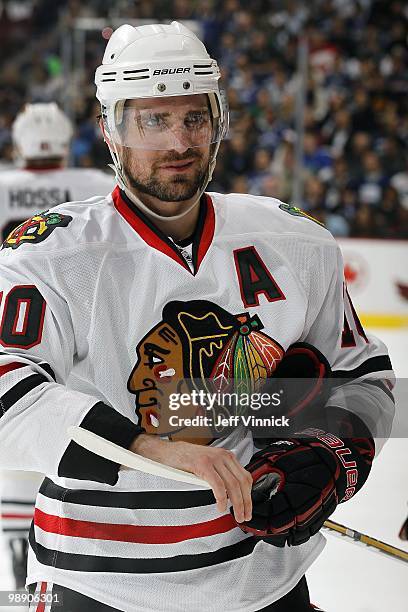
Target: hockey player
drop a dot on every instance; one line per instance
(108, 301)
(41, 137)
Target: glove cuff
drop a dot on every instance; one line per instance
(353, 459)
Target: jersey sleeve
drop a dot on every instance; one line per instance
(37, 351)
(362, 377)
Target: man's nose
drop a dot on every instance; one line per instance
(180, 140)
(180, 147)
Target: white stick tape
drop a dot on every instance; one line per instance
(109, 450)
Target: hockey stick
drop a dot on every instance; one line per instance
(356, 536)
(109, 450)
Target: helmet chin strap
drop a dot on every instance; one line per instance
(149, 212)
(121, 180)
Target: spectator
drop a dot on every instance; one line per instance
(316, 158)
(261, 170)
(314, 196)
(237, 157)
(400, 182)
(271, 187)
(372, 182)
(355, 117)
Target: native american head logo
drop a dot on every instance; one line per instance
(198, 345)
(36, 229)
(298, 212)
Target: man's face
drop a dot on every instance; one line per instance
(182, 126)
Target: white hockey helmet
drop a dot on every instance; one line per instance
(41, 131)
(152, 62)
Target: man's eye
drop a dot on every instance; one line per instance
(153, 122)
(197, 119)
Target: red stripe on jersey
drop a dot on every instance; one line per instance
(44, 168)
(16, 516)
(144, 231)
(207, 233)
(138, 534)
(9, 367)
(388, 383)
(43, 590)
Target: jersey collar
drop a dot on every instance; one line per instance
(154, 237)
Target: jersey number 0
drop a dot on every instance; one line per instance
(23, 317)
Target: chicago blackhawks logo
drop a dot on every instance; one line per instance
(36, 229)
(298, 212)
(198, 345)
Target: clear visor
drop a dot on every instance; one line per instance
(167, 123)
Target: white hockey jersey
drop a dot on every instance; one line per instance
(24, 192)
(93, 294)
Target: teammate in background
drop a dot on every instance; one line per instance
(157, 286)
(41, 137)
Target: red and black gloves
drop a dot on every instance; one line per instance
(299, 482)
(403, 534)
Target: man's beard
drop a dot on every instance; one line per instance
(177, 189)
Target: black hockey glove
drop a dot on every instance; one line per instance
(302, 381)
(403, 534)
(302, 374)
(299, 482)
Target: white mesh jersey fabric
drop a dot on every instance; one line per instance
(105, 288)
(22, 194)
(18, 491)
(26, 192)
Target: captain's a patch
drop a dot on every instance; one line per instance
(36, 229)
(298, 212)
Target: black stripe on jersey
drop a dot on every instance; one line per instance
(43, 365)
(46, 366)
(15, 529)
(23, 387)
(16, 502)
(374, 364)
(382, 386)
(179, 563)
(148, 500)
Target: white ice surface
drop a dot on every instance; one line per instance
(349, 577)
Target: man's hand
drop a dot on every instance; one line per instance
(299, 482)
(218, 466)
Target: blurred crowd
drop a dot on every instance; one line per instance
(355, 176)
